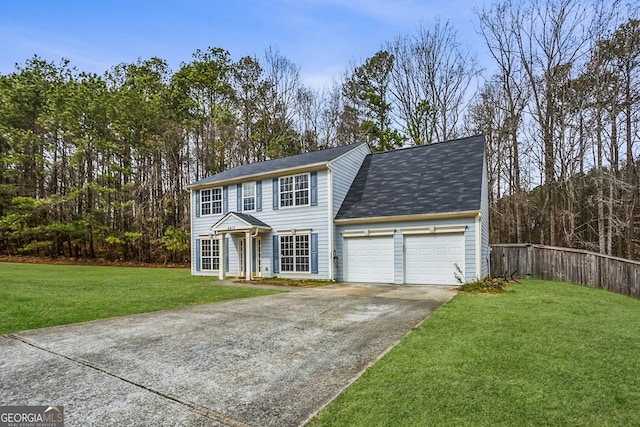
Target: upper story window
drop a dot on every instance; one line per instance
(249, 196)
(294, 190)
(211, 201)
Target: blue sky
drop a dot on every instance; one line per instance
(321, 36)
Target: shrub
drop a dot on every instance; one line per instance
(488, 285)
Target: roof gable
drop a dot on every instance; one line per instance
(444, 177)
(278, 165)
(238, 221)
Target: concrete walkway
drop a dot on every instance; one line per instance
(266, 361)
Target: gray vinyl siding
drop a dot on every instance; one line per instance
(200, 229)
(313, 217)
(398, 243)
(300, 217)
(345, 169)
(398, 256)
(484, 221)
(470, 273)
(234, 260)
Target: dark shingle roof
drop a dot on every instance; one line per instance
(438, 178)
(252, 220)
(282, 163)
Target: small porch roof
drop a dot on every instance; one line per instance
(239, 222)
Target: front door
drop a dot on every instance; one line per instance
(257, 257)
(256, 266)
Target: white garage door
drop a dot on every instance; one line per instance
(369, 259)
(430, 259)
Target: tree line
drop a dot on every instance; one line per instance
(561, 117)
(96, 165)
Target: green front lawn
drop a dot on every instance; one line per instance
(543, 353)
(39, 295)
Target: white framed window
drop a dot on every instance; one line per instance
(249, 196)
(210, 254)
(294, 190)
(295, 253)
(211, 201)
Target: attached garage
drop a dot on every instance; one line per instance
(430, 259)
(368, 258)
(434, 201)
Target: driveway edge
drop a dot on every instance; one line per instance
(369, 365)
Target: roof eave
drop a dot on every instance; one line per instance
(263, 175)
(405, 218)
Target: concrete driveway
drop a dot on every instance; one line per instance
(266, 361)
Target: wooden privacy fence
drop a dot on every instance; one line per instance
(568, 265)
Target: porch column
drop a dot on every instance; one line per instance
(222, 268)
(248, 249)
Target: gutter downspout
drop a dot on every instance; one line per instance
(478, 247)
(330, 220)
(192, 239)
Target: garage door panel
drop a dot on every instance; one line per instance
(431, 259)
(369, 259)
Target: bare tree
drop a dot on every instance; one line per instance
(430, 82)
(623, 48)
(280, 105)
(309, 107)
(487, 115)
(550, 36)
(496, 29)
(332, 105)
(250, 89)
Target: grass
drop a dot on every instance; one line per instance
(39, 295)
(542, 353)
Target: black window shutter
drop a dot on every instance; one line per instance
(314, 253)
(197, 254)
(259, 196)
(314, 188)
(225, 199)
(276, 255)
(276, 201)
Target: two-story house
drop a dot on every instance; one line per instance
(415, 215)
